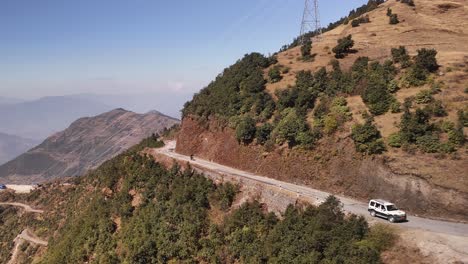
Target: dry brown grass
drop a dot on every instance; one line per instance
(442, 25)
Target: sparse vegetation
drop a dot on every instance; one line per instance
(463, 117)
(344, 47)
(393, 19)
(275, 74)
(424, 97)
(369, 6)
(306, 51)
(400, 55)
(263, 133)
(367, 139)
(245, 130)
(408, 2)
(394, 140)
(361, 20)
(426, 59)
(416, 129)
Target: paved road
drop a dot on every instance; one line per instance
(26, 207)
(349, 204)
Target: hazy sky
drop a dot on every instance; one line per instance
(59, 47)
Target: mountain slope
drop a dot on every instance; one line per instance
(362, 124)
(12, 146)
(40, 118)
(84, 145)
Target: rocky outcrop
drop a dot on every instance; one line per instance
(333, 166)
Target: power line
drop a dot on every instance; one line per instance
(310, 20)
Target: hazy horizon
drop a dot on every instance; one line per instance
(55, 48)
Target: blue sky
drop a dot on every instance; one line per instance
(60, 47)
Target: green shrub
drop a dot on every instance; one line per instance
(263, 133)
(225, 194)
(389, 11)
(393, 86)
(245, 130)
(395, 107)
(376, 95)
(393, 19)
(408, 2)
(415, 76)
(359, 68)
(400, 55)
(463, 117)
(381, 236)
(361, 20)
(426, 59)
(428, 143)
(344, 47)
(275, 74)
(446, 126)
(355, 23)
(424, 97)
(306, 50)
(330, 124)
(394, 140)
(414, 125)
(367, 139)
(289, 127)
(456, 136)
(436, 108)
(447, 147)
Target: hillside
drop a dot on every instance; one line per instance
(12, 146)
(84, 145)
(134, 210)
(391, 109)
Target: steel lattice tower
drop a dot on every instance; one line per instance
(310, 20)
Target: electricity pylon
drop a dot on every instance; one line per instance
(310, 20)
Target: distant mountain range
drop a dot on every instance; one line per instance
(8, 100)
(12, 146)
(40, 118)
(84, 145)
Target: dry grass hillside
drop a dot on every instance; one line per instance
(426, 182)
(441, 25)
(430, 24)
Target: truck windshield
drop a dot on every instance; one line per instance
(391, 208)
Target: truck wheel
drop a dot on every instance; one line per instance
(372, 213)
(391, 219)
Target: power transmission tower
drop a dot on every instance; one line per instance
(310, 20)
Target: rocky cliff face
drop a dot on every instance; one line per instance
(84, 145)
(335, 166)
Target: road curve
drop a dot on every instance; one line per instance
(30, 237)
(26, 207)
(349, 204)
(24, 236)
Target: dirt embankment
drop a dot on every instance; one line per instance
(334, 166)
